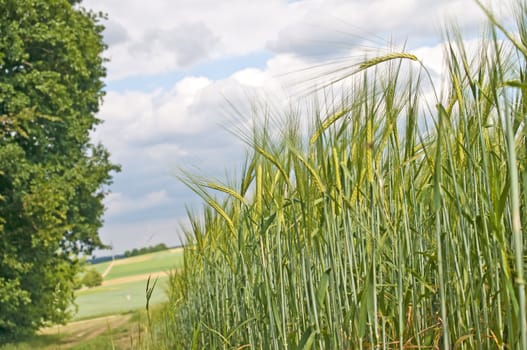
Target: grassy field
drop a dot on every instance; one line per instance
(120, 298)
(144, 264)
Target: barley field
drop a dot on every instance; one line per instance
(392, 222)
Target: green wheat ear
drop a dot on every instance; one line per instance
(391, 56)
(364, 65)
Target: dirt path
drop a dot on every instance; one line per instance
(108, 269)
(135, 278)
(75, 333)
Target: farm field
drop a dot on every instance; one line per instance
(124, 286)
(109, 316)
(118, 298)
(144, 264)
(101, 267)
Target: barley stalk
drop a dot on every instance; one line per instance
(397, 228)
(381, 59)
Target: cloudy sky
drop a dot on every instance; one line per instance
(177, 65)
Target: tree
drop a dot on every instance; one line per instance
(52, 178)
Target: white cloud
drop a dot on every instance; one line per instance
(328, 28)
(142, 117)
(173, 119)
(182, 45)
(119, 203)
(166, 35)
(251, 77)
(153, 132)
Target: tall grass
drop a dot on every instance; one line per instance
(395, 223)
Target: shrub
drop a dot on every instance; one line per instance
(92, 278)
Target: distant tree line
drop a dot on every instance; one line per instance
(145, 250)
(96, 260)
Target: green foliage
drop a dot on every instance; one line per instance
(92, 278)
(395, 225)
(51, 176)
